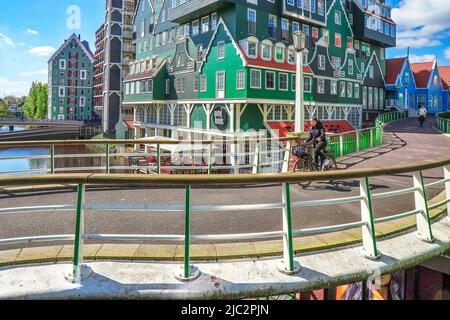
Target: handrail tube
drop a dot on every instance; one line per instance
(432, 184)
(438, 204)
(222, 179)
(4, 211)
(129, 237)
(335, 228)
(394, 193)
(242, 236)
(37, 239)
(398, 216)
(130, 207)
(326, 202)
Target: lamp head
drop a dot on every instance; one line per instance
(299, 40)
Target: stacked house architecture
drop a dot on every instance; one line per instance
(227, 66)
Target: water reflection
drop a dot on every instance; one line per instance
(23, 164)
(6, 129)
(42, 164)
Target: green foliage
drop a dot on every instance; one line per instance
(4, 110)
(36, 104)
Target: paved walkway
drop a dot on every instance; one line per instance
(404, 142)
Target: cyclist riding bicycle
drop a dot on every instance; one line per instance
(318, 137)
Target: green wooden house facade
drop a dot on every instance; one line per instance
(220, 68)
(70, 81)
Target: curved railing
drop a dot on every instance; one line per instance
(253, 155)
(366, 198)
(443, 122)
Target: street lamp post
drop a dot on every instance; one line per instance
(299, 46)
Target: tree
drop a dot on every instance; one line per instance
(36, 104)
(4, 110)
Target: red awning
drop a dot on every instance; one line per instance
(283, 128)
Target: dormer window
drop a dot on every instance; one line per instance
(266, 50)
(280, 50)
(252, 47)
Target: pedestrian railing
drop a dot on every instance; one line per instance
(288, 265)
(251, 155)
(443, 122)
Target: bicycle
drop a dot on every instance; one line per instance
(306, 163)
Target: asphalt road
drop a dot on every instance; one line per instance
(406, 143)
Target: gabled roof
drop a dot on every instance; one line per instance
(85, 48)
(422, 72)
(374, 56)
(393, 69)
(444, 73)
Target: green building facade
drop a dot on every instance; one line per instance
(220, 68)
(70, 81)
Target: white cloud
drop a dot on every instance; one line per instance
(422, 42)
(31, 31)
(34, 73)
(422, 58)
(421, 22)
(42, 51)
(447, 53)
(14, 88)
(6, 40)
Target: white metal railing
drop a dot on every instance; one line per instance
(367, 223)
(263, 155)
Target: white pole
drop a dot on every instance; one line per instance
(422, 219)
(299, 104)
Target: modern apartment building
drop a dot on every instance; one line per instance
(70, 81)
(114, 51)
(219, 66)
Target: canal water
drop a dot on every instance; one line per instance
(39, 166)
(19, 166)
(6, 129)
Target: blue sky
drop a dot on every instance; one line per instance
(30, 30)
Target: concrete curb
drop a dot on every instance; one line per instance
(208, 252)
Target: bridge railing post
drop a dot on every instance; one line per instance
(52, 159)
(423, 220)
(158, 159)
(368, 229)
(357, 134)
(257, 159)
(210, 158)
(447, 188)
(288, 265)
(287, 157)
(371, 137)
(79, 272)
(107, 161)
(187, 272)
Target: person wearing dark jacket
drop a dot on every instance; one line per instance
(318, 137)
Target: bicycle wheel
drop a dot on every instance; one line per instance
(304, 165)
(329, 164)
